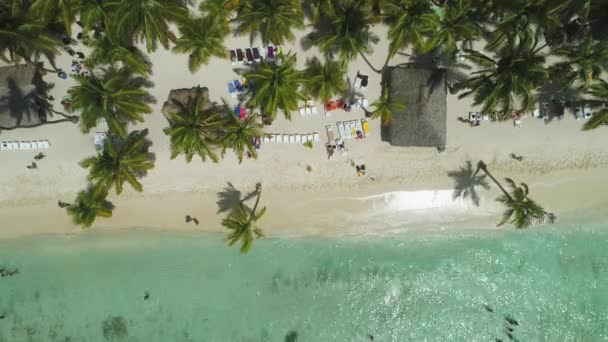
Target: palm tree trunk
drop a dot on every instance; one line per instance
(379, 71)
(255, 206)
(481, 165)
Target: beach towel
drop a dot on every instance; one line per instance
(365, 125)
(243, 113)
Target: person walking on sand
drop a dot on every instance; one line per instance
(62, 204)
(32, 166)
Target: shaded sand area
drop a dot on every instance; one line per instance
(564, 166)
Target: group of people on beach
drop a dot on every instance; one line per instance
(37, 157)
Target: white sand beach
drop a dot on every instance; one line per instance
(564, 166)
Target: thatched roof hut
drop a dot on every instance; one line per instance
(423, 122)
(182, 96)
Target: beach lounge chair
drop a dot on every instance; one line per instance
(314, 111)
(270, 55)
(341, 130)
(330, 133)
(243, 113)
(298, 138)
(35, 145)
(304, 138)
(233, 59)
(308, 111)
(45, 144)
(310, 103)
(285, 138)
(292, 138)
(239, 86)
(266, 138)
(262, 52)
(302, 111)
(365, 125)
(315, 136)
(309, 137)
(24, 145)
(256, 55)
(232, 89)
(357, 82)
(278, 138)
(99, 139)
(3, 146)
(359, 128)
(272, 137)
(249, 55)
(13, 145)
(364, 103)
(240, 56)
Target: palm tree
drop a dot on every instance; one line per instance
(516, 71)
(454, 26)
(521, 17)
(121, 160)
(239, 135)
(273, 20)
(242, 223)
(49, 11)
(276, 87)
(115, 96)
(112, 49)
(22, 37)
(521, 211)
(193, 130)
(219, 10)
(384, 107)
(148, 20)
(466, 181)
(90, 204)
(344, 28)
(589, 58)
(324, 80)
(92, 13)
(599, 104)
(202, 38)
(408, 22)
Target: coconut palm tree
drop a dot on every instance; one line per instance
(507, 80)
(242, 222)
(276, 87)
(344, 28)
(589, 58)
(272, 20)
(239, 135)
(202, 38)
(453, 27)
(148, 20)
(521, 210)
(525, 17)
(384, 107)
(22, 37)
(324, 80)
(408, 23)
(193, 130)
(89, 205)
(114, 95)
(50, 11)
(599, 104)
(220, 10)
(92, 13)
(111, 49)
(121, 160)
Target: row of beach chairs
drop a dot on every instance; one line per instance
(236, 87)
(346, 105)
(252, 55)
(25, 145)
(291, 138)
(358, 129)
(308, 109)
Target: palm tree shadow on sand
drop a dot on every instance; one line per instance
(229, 197)
(466, 181)
(291, 336)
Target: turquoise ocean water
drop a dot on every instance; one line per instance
(552, 281)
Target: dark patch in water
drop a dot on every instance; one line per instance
(291, 336)
(114, 328)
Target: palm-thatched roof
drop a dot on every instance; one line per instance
(180, 97)
(423, 122)
(17, 95)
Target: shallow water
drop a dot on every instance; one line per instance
(553, 281)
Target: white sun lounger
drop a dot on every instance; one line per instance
(308, 111)
(4, 146)
(292, 138)
(315, 136)
(330, 133)
(25, 145)
(298, 138)
(341, 131)
(359, 127)
(278, 138)
(265, 138)
(364, 102)
(285, 138)
(304, 138)
(309, 137)
(272, 138)
(314, 110)
(302, 111)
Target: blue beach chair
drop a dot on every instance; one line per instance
(232, 89)
(239, 86)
